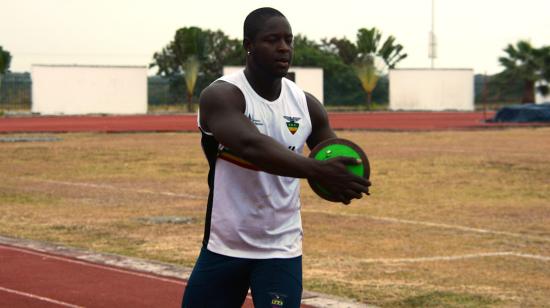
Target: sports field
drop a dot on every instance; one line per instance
(455, 218)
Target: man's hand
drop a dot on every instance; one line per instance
(333, 175)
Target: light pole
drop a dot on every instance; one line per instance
(432, 53)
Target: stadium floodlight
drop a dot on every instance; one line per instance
(432, 44)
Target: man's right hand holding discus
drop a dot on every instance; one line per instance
(343, 173)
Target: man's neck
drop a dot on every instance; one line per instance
(266, 86)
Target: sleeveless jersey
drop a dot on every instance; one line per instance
(251, 213)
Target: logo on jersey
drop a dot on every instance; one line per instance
(256, 122)
(292, 124)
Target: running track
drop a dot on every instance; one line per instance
(416, 121)
(30, 278)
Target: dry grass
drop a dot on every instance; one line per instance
(94, 190)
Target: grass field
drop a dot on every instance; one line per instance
(455, 219)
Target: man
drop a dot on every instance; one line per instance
(254, 125)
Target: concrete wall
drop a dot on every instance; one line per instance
(73, 89)
(427, 89)
(310, 79)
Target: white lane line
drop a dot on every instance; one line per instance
(48, 256)
(456, 257)
(42, 298)
(389, 219)
(112, 187)
(98, 266)
(437, 225)
(472, 151)
(530, 256)
(458, 227)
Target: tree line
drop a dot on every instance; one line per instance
(352, 74)
(196, 57)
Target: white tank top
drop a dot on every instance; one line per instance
(251, 213)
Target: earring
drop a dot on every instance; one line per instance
(248, 52)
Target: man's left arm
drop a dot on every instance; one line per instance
(321, 129)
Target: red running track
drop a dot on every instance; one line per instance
(30, 278)
(173, 123)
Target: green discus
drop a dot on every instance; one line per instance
(339, 147)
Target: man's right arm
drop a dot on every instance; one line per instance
(222, 113)
(222, 108)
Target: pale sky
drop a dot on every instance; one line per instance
(470, 33)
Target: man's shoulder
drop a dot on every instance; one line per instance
(312, 100)
(220, 95)
(221, 89)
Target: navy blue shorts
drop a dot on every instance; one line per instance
(222, 281)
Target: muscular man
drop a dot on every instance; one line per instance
(254, 126)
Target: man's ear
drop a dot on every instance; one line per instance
(247, 44)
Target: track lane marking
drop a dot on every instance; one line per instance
(41, 298)
(458, 227)
(435, 224)
(457, 257)
(97, 266)
(112, 187)
(382, 218)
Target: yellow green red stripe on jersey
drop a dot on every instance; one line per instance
(231, 157)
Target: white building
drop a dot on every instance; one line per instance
(432, 89)
(89, 89)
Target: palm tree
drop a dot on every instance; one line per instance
(373, 60)
(191, 71)
(190, 46)
(368, 70)
(528, 64)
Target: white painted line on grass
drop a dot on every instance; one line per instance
(389, 219)
(41, 298)
(333, 303)
(530, 256)
(456, 257)
(44, 255)
(472, 151)
(437, 225)
(112, 187)
(458, 227)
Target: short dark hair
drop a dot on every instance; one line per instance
(254, 20)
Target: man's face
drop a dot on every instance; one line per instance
(272, 48)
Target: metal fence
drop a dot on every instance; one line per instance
(161, 91)
(15, 91)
